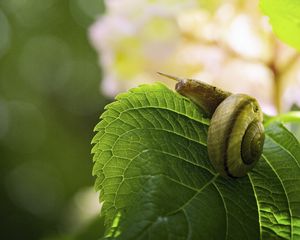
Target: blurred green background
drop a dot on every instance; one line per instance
(49, 103)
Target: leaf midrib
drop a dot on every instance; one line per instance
(185, 204)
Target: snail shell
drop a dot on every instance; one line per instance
(236, 133)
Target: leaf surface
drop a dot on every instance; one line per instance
(156, 181)
(285, 19)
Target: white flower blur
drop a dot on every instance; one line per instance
(232, 47)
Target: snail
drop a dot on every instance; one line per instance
(236, 133)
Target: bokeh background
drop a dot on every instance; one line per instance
(49, 103)
(62, 61)
(229, 44)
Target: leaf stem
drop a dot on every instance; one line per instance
(289, 117)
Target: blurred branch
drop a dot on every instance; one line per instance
(290, 63)
(279, 72)
(277, 88)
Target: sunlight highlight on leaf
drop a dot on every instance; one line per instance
(285, 19)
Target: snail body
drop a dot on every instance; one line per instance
(236, 133)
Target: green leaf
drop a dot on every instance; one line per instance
(289, 117)
(156, 181)
(285, 19)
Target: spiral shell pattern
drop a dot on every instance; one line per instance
(236, 135)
